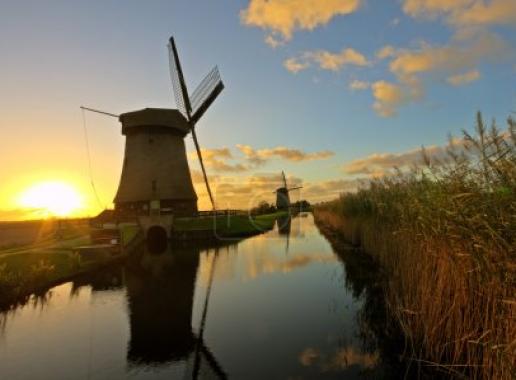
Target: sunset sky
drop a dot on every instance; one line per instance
(329, 91)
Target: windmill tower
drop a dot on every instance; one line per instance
(155, 173)
(282, 194)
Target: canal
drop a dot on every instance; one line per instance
(282, 305)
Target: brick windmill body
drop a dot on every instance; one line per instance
(155, 174)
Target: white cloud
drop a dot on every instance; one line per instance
(389, 96)
(454, 62)
(281, 18)
(379, 164)
(463, 78)
(222, 160)
(294, 66)
(326, 60)
(465, 13)
(385, 52)
(261, 155)
(359, 85)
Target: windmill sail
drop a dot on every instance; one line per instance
(178, 81)
(206, 93)
(205, 176)
(203, 96)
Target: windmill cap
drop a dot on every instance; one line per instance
(154, 117)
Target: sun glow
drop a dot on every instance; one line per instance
(52, 198)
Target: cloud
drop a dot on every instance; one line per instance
(208, 154)
(244, 192)
(273, 42)
(197, 177)
(455, 56)
(464, 13)
(359, 85)
(379, 164)
(385, 52)
(221, 166)
(326, 60)
(454, 61)
(495, 12)
(389, 96)
(261, 155)
(239, 192)
(294, 66)
(251, 154)
(464, 78)
(281, 18)
(432, 8)
(222, 160)
(321, 191)
(336, 61)
(215, 159)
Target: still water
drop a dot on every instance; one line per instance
(276, 306)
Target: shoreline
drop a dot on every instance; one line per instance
(40, 275)
(401, 280)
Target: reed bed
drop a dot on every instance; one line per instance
(445, 233)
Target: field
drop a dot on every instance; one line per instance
(229, 226)
(445, 234)
(34, 254)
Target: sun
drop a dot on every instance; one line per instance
(52, 198)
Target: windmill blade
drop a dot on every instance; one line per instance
(284, 179)
(178, 81)
(199, 156)
(295, 188)
(206, 93)
(213, 363)
(200, 347)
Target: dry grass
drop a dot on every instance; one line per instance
(446, 235)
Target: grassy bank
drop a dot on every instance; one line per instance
(229, 226)
(26, 273)
(27, 268)
(446, 236)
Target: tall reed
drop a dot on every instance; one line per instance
(446, 235)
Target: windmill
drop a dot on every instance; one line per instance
(194, 107)
(155, 174)
(282, 194)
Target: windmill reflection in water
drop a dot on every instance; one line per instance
(160, 291)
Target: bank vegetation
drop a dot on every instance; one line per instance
(445, 233)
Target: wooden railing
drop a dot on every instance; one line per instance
(221, 213)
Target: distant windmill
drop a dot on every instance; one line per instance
(155, 173)
(282, 194)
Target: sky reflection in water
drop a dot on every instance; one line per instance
(280, 307)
